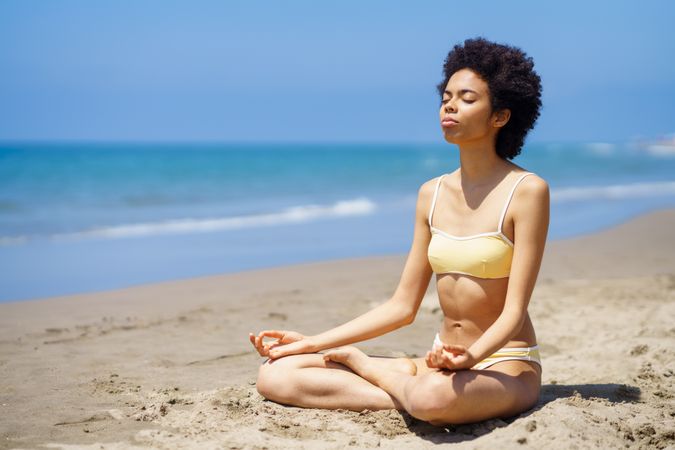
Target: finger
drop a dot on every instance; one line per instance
(278, 352)
(454, 361)
(446, 360)
(256, 344)
(262, 349)
(274, 344)
(435, 358)
(285, 350)
(430, 355)
(431, 361)
(263, 345)
(455, 349)
(272, 333)
(441, 358)
(251, 337)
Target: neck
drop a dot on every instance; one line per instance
(479, 163)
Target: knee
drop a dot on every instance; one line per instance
(432, 400)
(268, 376)
(273, 380)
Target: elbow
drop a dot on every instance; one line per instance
(401, 313)
(407, 318)
(518, 323)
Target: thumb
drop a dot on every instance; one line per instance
(277, 351)
(454, 349)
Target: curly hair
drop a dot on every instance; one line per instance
(512, 82)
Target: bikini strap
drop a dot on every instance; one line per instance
(433, 202)
(508, 200)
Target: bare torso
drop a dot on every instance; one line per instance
(471, 304)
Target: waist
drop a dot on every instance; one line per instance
(501, 351)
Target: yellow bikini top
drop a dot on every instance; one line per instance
(484, 255)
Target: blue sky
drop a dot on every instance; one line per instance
(319, 71)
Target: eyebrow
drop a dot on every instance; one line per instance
(461, 91)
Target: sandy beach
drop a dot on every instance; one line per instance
(169, 365)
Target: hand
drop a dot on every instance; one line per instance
(451, 357)
(286, 343)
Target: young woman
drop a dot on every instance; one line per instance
(481, 229)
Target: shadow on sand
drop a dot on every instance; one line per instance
(615, 393)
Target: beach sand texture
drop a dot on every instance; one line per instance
(169, 365)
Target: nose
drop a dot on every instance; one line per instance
(449, 106)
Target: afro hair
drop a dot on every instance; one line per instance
(512, 82)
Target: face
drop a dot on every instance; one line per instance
(466, 113)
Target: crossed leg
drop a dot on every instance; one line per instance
(355, 381)
(309, 381)
(452, 397)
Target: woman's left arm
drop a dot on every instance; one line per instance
(531, 220)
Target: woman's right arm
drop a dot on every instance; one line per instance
(396, 312)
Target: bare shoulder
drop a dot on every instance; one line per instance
(533, 192)
(427, 188)
(425, 196)
(533, 186)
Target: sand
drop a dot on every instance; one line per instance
(169, 365)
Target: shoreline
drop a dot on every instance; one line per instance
(169, 364)
(376, 258)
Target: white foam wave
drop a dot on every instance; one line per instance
(614, 192)
(601, 148)
(661, 149)
(297, 214)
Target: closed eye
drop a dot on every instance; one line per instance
(465, 101)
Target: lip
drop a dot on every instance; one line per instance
(448, 122)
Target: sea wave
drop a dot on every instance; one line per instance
(614, 192)
(345, 208)
(296, 214)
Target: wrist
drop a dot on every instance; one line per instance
(313, 344)
(472, 359)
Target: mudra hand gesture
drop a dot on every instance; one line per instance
(450, 357)
(286, 343)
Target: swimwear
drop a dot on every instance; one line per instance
(504, 354)
(484, 255)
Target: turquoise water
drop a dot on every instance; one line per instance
(85, 217)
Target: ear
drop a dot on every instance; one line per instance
(501, 117)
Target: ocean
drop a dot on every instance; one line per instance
(81, 217)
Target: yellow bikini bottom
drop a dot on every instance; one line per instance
(505, 354)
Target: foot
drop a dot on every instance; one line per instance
(353, 358)
(403, 365)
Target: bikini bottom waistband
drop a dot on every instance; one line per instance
(505, 354)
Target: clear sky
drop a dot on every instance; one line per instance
(319, 71)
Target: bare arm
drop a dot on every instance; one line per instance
(402, 307)
(396, 312)
(531, 220)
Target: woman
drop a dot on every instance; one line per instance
(484, 363)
